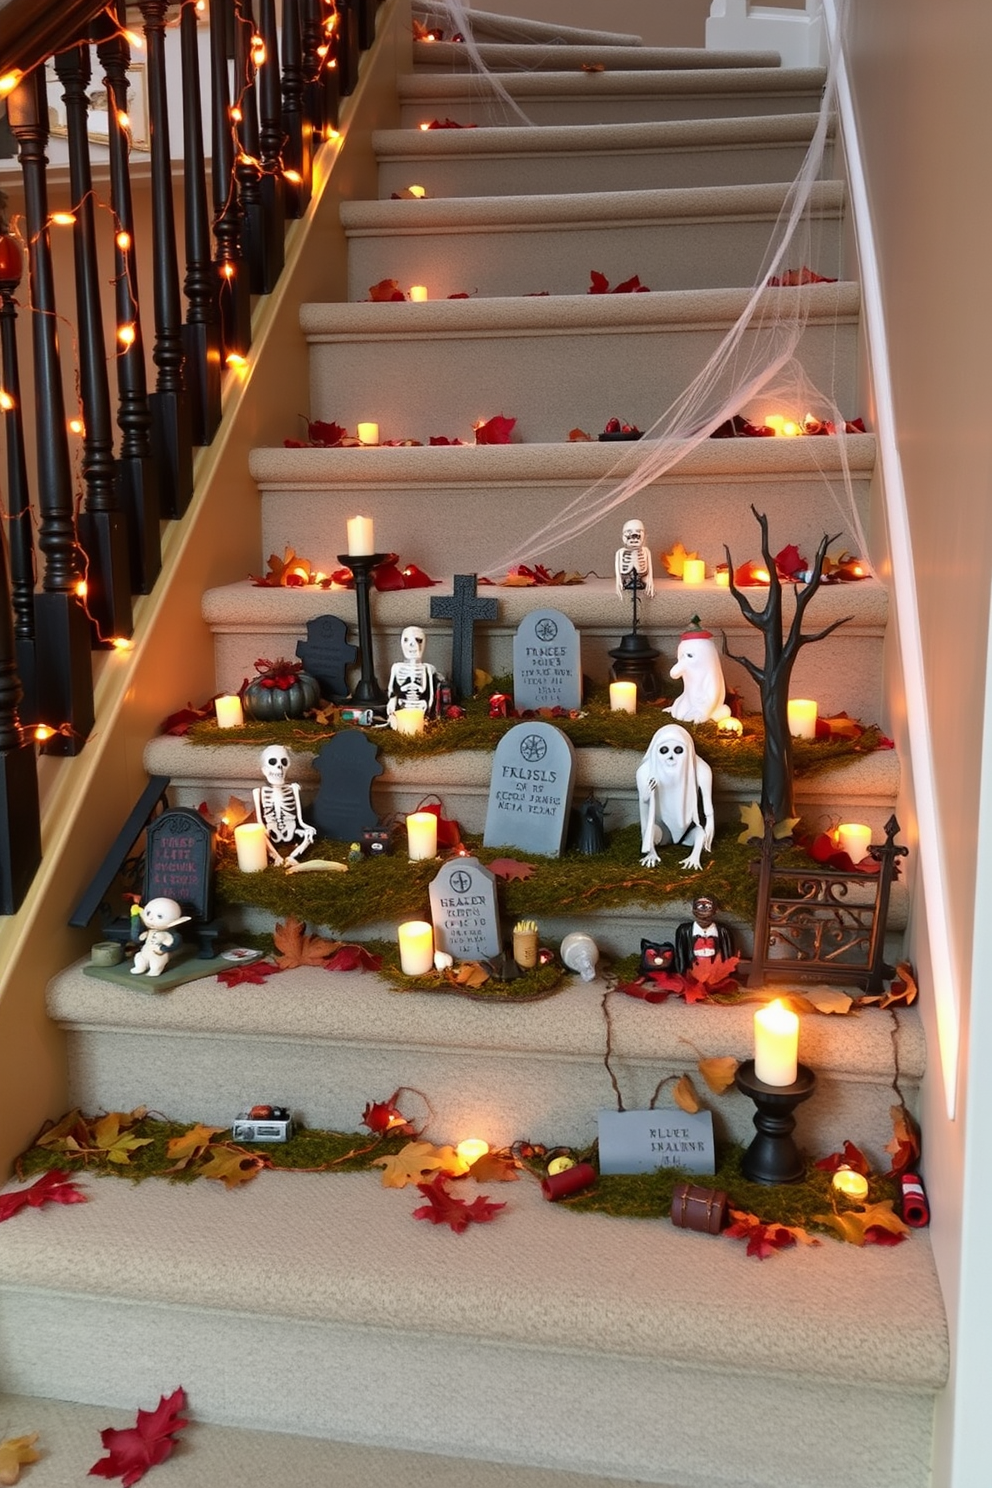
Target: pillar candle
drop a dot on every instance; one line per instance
(409, 721)
(361, 535)
(418, 293)
(802, 718)
(416, 940)
(251, 842)
(421, 831)
(776, 1044)
(623, 697)
(694, 571)
(229, 711)
(854, 839)
(368, 433)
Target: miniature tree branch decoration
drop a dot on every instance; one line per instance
(773, 678)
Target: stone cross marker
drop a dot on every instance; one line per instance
(530, 794)
(179, 861)
(326, 654)
(347, 765)
(463, 609)
(464, 911)
(547, 663)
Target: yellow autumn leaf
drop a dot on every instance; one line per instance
(232, 1166)
(413, 1161)
(14, 1453)
(674, 560)
(852, 1224)
(110, 1135)
(685, 1096)
(829, 1000)
(902, 989)
(718, 1072)
(191, 1143)
(469, 974)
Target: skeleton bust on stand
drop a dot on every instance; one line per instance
(413, 682)
(633, 566)
(279, 809)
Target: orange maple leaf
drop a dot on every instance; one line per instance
(674, 560)
(297, 948)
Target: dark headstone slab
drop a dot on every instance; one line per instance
(179, 861)
(530, 794)
(464, 911)
(547, 663)
(463, 609)
(326, 654)
(347, 766)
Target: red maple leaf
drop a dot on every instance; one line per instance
(387, 576)
(632, 285)
(879, 1235)
(441, 439)
(382, 1117)
(509, 868)
(851, 1157)
(447, 124)
(694, 991)
(762, 1240)
(496, 430)
(794, 278)
(790, 562)
(716, 975)
(353, 958)
(449, 833)
(254, 972)
(145, 1444)
(598, 283)
(443, 1208)
(415, 578)
(180, 722)
(652, 988)
(386, 289)
(325, 433)
(55, 1187)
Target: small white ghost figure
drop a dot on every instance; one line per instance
(675, 796)
(703, 688)
(159, 939)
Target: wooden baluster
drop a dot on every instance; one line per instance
(172, 436)
(249, 168)
(137, 471)
(319, 107)
(20, 818)
(366, 23)
(101, 526)
(271, 139)
(21, 541)
(65, 675)
(201, 333)
(230, 266)
(298, 152)
(346, 46)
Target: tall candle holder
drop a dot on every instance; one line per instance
(773, 1156)
(367, 691)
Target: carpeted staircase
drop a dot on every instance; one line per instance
(548, 1344)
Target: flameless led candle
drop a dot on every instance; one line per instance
(416, 940)
(409, 721)
(361, 535)
(229, 711)
(418, 293)
(471, 1150)
(251, 842)
(854, 839)
(731, 726)
(368, 433)
(694, 571)
(722, 577)
(623, 697)
(802, 718)
(421, 831)
(776, 1044)
(853, 1185)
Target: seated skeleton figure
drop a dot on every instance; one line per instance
(279, 808)
(413, 682)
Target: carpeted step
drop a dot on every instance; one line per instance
(611, 97)
(490, 27)
(314, 1303)
(704, 501)
(703, 237)
(595, 157)
(422, 370)
(500, 57)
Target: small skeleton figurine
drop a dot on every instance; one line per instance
(278, 808)
(675, 795)
(633, 561)
(160, 938)
(413, 682)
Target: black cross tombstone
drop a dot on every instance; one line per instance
(463, 609)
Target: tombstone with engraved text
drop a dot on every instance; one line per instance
(464, 911)
(530, 793)
(547, 662)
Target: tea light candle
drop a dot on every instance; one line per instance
(623, 697)
(418, 293)
(368, 434)
(854, 839)
(471, 1150)
(421, 831)
(694, 571)
(802, 718)
(732, 727)
(409, 721)
(416, 940)
(853, 1185)
(252, 845)
(776, 1044)
(361, 535)
(230, 714)
(722, 577)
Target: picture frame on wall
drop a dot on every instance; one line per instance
(98, 120)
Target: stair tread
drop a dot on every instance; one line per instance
(502, 56)
(425, 86)
(525, 27)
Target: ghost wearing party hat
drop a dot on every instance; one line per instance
(703, 688)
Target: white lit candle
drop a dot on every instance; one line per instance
(694, 571)
(230, 714)
(722, 577)
(368, 433)
(623, 697)
(409, 721)
(802, 718)
(252, 844)
(471, 1150)
(361, 535)
(421, 831)
(732, 727)
(416, 940)
(776, 1044)
(854, 839)
(853, 1185)
(418, 293)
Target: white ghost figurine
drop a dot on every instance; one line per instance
(675, 796)
(159, 939)
(703, 688)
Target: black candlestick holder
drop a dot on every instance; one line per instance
(773, 1156)
(634, 658)
(367, 692)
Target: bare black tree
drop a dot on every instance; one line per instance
(773, 678)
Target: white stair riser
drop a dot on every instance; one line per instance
(453, 57)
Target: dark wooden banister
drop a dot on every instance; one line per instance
(31, 33)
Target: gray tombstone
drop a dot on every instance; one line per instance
(547, 662)
(530, 794)
(464, 911)
(179, 861)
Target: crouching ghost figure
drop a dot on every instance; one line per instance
(675, 796)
